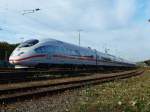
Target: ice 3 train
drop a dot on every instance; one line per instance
(39, 53)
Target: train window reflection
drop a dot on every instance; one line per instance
(29, 43)
(46, 49)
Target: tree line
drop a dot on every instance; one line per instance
(6, 50)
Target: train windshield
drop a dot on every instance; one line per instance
(28, 43)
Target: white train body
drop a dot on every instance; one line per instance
(48, 52)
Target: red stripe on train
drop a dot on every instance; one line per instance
(59, 56)
(75, 57)
(30, 57)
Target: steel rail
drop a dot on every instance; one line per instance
(9, 93)
(23, 76)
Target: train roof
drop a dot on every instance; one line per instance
(62, 42)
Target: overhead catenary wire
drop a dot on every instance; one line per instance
(30, 11)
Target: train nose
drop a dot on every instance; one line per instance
(13, 60)
(10, 60)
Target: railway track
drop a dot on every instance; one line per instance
(13, 76)
(11, 92)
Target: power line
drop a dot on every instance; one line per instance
(30, 11)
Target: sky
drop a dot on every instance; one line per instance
(119, 25)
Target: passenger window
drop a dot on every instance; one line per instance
(60, 50)
(73, 53)
(105, 59)
(46, 49)
(77, 53)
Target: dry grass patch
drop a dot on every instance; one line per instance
(127, 95)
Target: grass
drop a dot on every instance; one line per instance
(127, 95)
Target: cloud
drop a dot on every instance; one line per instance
(125, 10)
(117, 24)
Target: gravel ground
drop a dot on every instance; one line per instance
(60, 102)
(126, 95)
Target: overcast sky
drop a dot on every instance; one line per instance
(120, 25)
